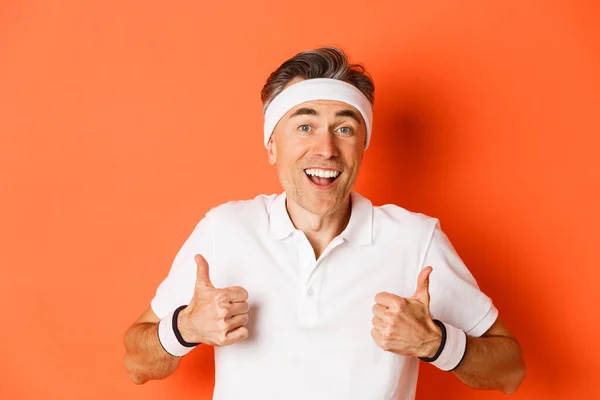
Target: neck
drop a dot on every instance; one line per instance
(319, 229)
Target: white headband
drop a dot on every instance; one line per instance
(317, 89)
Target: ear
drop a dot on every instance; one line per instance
(272, 151)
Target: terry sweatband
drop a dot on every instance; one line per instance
(452, 350)
(169, 336)
(317, 89)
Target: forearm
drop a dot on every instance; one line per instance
(145, 358)
(492, 362)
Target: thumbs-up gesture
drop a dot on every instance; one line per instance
(404, 326)
(214, 316)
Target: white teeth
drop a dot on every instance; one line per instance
(321, 173)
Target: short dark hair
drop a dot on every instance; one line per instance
(324, 62)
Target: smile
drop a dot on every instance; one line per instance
(322, 179)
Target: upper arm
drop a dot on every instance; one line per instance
(177, 288)
(456, 298)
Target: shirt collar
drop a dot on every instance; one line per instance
(280, 224)
(359, 229)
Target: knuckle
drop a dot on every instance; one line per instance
(245, 319)
(384, 343)
(222, 312)
(376, 336)
(388, 331)
(222, 325)
(221, 339)
(390, 318)
(389, 324)
(399, 304)
(220, 296)
(230, 324)
(244, 333)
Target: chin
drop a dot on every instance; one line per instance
(318, 202)
(323, 203)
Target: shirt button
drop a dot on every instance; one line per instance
(310, 292)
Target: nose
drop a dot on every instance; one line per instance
(325, 145)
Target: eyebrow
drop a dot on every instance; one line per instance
(311, 111)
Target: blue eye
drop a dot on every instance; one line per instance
(301, 127)
(348, 129)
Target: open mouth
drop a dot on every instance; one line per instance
(322, 178)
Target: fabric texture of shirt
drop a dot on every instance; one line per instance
(311, 320)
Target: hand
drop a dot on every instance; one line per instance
(214, 316)
(404, 326)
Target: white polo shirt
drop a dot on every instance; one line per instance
(311, 320)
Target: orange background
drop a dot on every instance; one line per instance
(122, 122)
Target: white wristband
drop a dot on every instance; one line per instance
(167, 338)
(454, 349)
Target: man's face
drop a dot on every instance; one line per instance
(318, 148)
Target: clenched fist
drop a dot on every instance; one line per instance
(404, 326)
(214, 316)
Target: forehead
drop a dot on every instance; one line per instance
(324, 107)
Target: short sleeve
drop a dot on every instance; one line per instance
(455, 295)
(178, 287)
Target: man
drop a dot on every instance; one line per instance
(315, 293)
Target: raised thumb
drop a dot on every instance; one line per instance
(422, 291)
(202, 277)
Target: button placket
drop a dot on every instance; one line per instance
(307, 311)
(311, 273)
(305, 255)
(307, 307)
(318, 263)
(309, 297)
